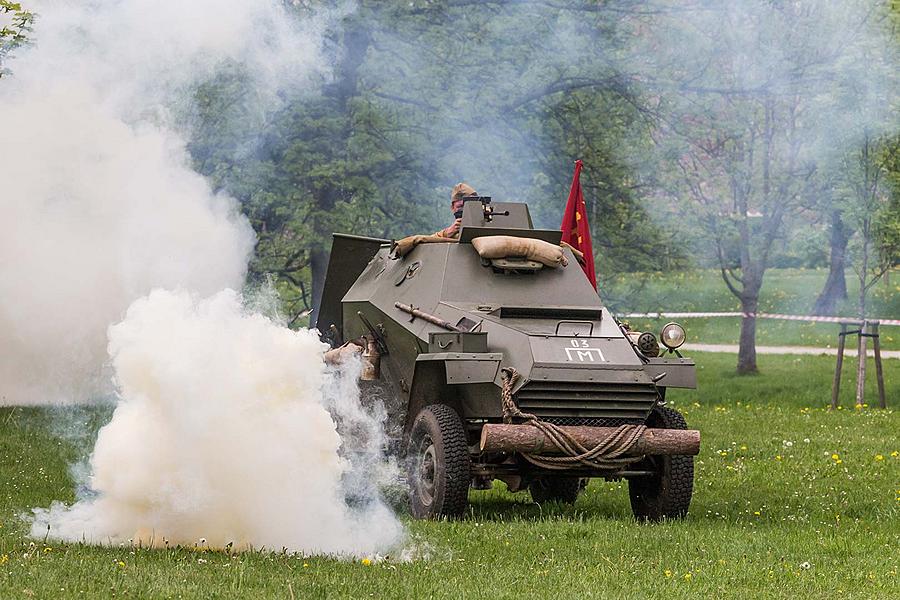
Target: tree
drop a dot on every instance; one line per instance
(856, 183)
(750, 100)
(15, 25)
(508, 94)
(423, 95)
(324, 162)
(872, 209)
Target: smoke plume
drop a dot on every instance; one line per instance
(221, 433)
(99, 204)
(119, 266)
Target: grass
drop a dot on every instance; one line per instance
(769, 332)
(785, 291)
(791, 291)
(790, 501)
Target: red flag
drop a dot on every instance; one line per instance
(575, 230)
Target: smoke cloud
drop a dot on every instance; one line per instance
(99, 204)
(118, 270)
(221, 433)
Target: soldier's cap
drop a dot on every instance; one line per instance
(462, 190)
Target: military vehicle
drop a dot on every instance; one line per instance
(509, 369)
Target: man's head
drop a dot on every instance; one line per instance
(460, 192)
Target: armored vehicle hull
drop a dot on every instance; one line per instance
(507, 369)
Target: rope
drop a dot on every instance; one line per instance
(608, 454)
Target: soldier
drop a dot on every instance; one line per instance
(460, 192)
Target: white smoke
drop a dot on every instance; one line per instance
(98, 204)
(222, 433)
(227, 425)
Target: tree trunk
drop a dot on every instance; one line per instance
(356, 40)
(835, 289)
(747, 345)
(864, 270)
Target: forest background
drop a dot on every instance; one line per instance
(736, 137)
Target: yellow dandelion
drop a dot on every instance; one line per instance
(879, 457)
(835, 457)
(4, 558)
(688, 576)
(756, 512)
(48, 549)
(305, 565)
(121, 564)
(667, 573)
(895, 454)
(777, 457)
(367, 561)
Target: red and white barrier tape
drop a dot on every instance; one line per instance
(688, 315)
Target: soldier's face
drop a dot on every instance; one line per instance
(456, 205)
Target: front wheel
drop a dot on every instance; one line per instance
(667, 493)
(438, 464)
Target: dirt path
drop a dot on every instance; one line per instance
(732, 348)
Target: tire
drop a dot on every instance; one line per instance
(667, 493)
(555, 489)
(438, 464)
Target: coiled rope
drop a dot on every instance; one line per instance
(605, 455)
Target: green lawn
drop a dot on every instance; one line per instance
(790, 501)
(769, 332)
(791, 291)
(785, 291)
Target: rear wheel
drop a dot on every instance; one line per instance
(667, 493)
(555, 489)
(438, 464)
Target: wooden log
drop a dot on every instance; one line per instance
(861, 365)
(879, 373)
(836, 385)
(530, 439)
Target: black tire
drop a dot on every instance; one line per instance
(667, 494)
(555, 489)
(438, 464)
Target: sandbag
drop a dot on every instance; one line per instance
(507, 246)
(401, 248)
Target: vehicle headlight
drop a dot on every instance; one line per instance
(672, 335)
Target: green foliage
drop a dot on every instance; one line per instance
(423, 95)
(679, 161)
(15, 25)
(774, 515)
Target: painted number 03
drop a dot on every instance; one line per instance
(581, 351)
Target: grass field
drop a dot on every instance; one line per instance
(785, 291)
(790, 501)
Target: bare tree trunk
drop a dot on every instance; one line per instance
(356, 40)
(835, 289)
(864, 270)
(747, 345)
